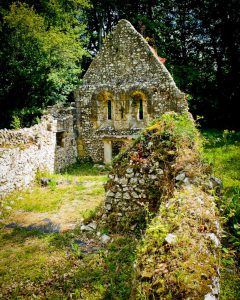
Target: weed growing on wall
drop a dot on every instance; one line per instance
(175, 261)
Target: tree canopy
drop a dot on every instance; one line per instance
(41, 50)
(44, 46)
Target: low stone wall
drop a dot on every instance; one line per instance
(136, 184)
(25, 151)
(161, 174)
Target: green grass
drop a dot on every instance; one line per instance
(78, 193)
(223, 154)
(47, 266)
(53, 266)
(222, 151)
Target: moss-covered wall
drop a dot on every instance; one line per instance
(161, 177)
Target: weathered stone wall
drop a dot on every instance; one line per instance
(125, 71)
(23, 152)
(66, 148)
(161, 174)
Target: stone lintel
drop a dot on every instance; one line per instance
(117, 137)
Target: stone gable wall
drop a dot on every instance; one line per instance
(125, 66)
(25, 151)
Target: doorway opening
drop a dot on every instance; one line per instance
(116, 147)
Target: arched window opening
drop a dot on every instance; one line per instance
(109, 111)
(138, 103)
(140, 112)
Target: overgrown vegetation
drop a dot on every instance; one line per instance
(76, 265)
(175, 260)
(156, 150)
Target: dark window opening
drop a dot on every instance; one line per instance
(122, 112)
(109, 109)
(140, 115)
(60, 138)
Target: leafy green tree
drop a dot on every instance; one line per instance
(41, 54)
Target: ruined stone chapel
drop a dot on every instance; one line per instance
(125, 87)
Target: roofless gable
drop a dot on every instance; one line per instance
(125, 87)
(126, 57)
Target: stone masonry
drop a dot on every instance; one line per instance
(125, 87)
(48, 146)
(161, 174)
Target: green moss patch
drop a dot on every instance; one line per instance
(178, 258)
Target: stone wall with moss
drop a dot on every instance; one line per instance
(179, 254)
(161, 180)
(127, 78)
(48, 146)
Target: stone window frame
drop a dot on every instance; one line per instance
(106, 101)
(138, 97)
(60, 138)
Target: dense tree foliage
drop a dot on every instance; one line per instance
(42, 46)
(41, 50)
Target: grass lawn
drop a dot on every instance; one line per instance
(62, 265)
(222, 151)
(66, 200)
(52, 266)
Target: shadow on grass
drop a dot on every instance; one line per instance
(19, 235)
(48, 227)
(104, 274)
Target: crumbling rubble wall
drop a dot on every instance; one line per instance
(161, 177)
